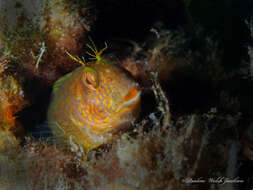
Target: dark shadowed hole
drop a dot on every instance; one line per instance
(33, 117)
(133, 19)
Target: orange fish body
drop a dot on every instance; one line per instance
(92, 109)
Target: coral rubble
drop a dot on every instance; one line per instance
(11, 102)
(40, 43)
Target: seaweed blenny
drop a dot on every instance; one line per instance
(91, 105)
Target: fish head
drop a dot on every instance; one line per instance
(113, 96)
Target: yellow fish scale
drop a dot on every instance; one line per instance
(93, 117)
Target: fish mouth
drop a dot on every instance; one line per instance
(128, 111)
(131, 99)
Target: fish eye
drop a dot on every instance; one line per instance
(90, 78)
(87, 81)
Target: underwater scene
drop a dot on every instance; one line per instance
(126, 95)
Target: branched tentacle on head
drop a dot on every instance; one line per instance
(95, 54)
(77, 59)
(91, 77)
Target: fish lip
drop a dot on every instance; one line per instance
(130, 102)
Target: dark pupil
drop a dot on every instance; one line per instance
(88, 81)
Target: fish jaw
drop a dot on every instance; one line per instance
(129, 109)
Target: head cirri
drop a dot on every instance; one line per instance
(94, 103)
